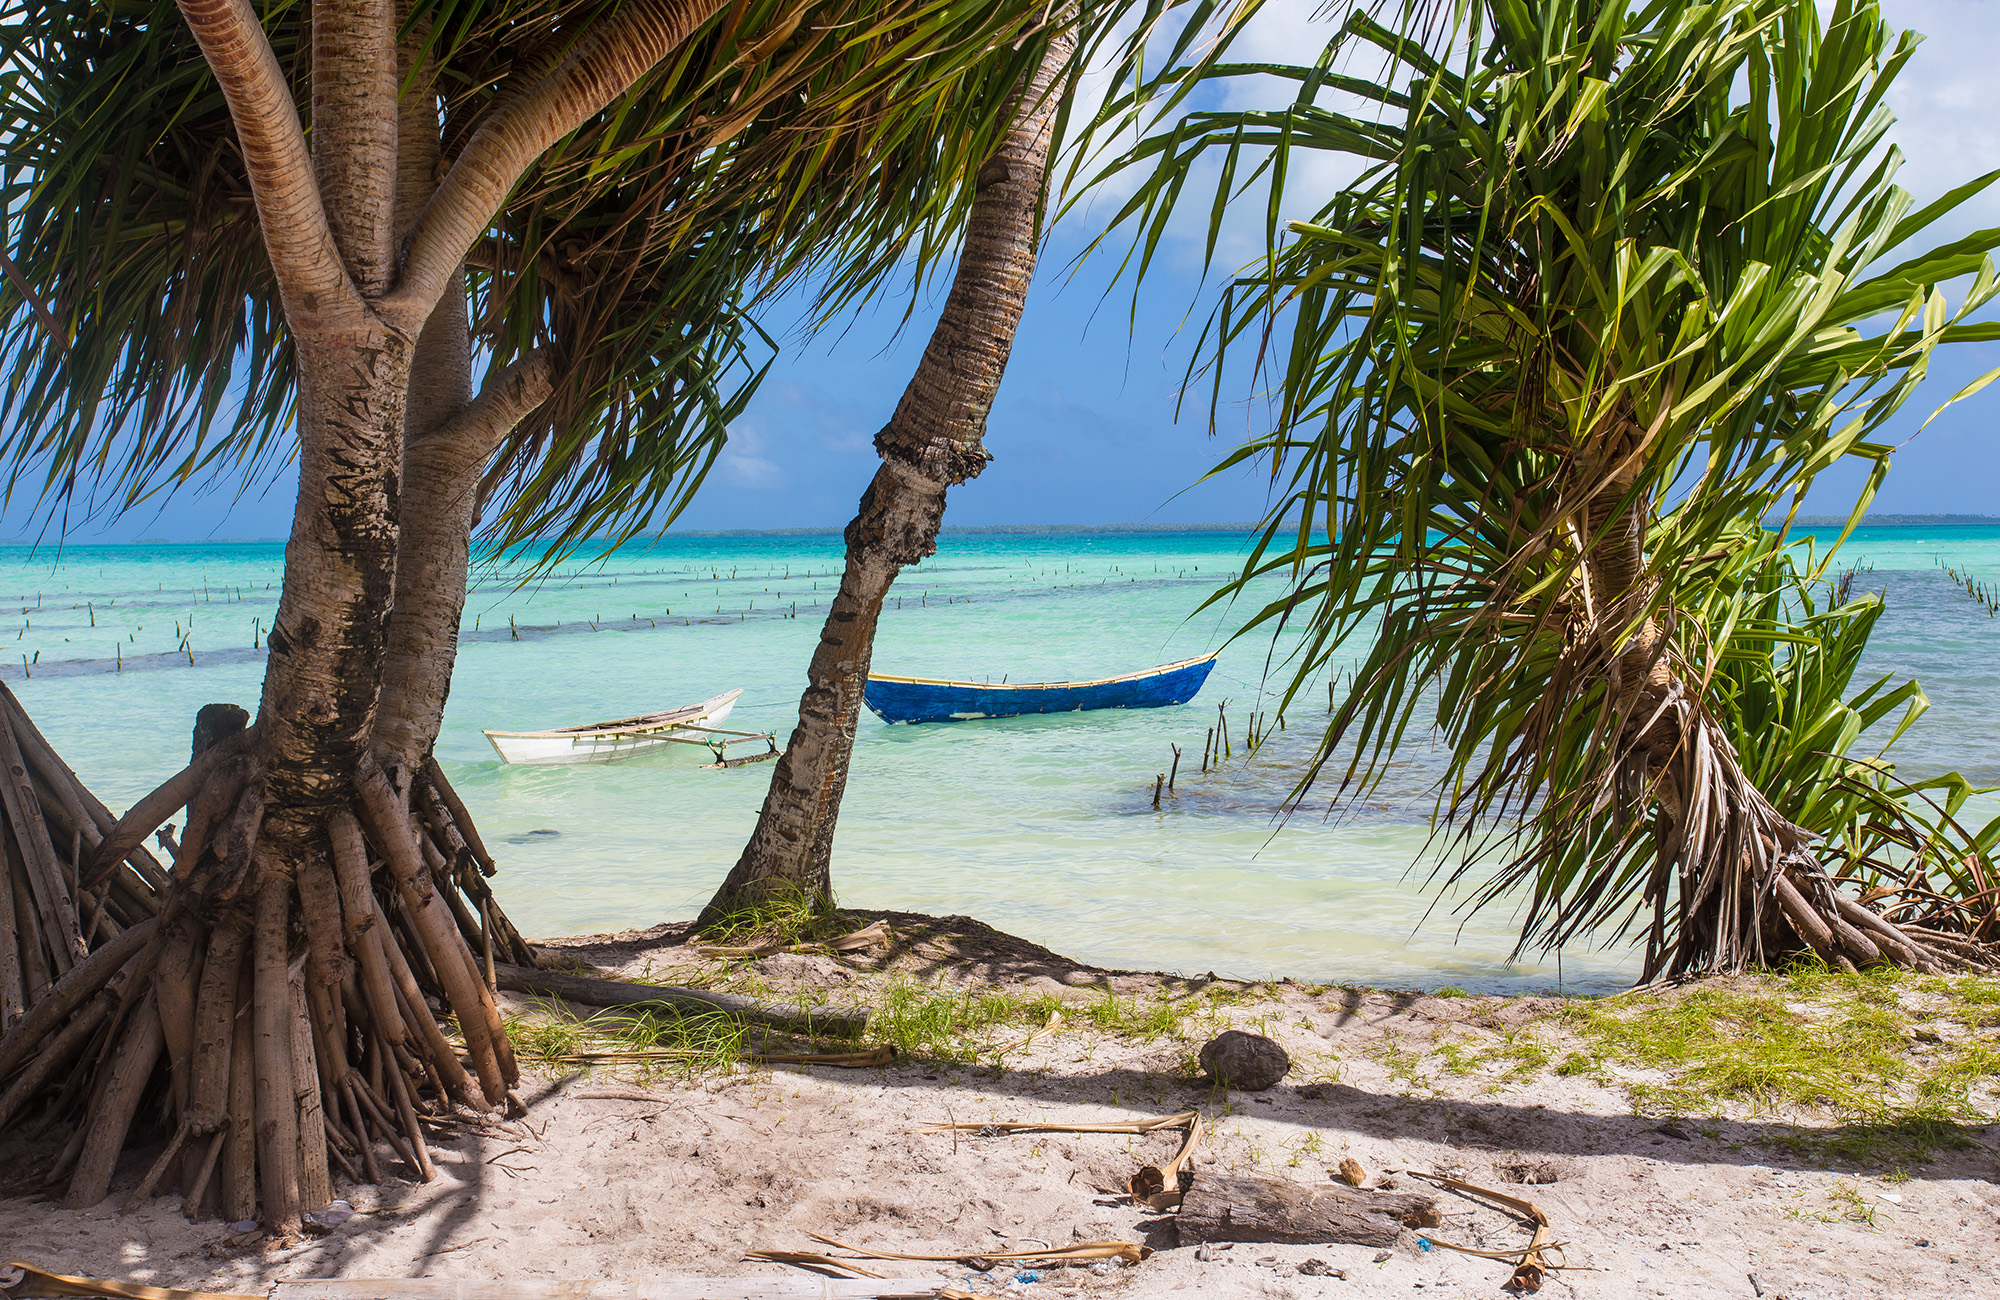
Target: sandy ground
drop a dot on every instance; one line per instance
(608, 1179)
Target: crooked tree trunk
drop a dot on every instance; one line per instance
(933, 442)
(1744, 880)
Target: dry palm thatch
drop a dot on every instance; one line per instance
(1615, 279)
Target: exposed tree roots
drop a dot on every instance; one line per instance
(272, 1004)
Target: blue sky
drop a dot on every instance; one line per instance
(1085, 430)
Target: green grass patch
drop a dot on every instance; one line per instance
(953, 1026)
(795, 916)
(1898, 1078)
(637, 1044)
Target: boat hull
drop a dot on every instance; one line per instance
(554, 748)
(917, 699)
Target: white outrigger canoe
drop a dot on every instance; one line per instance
(603, 742)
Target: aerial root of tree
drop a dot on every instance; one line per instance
(271, 1006)
(1782, 900)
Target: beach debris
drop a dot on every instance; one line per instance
(994, 1128)
(1083, 1252)
(1351, 1172)
(20, 1278)
(1530, 1263)
(1244, 1061)
(1049, 1026)
(1218, 1207)
(1160, 1188)
(1533, 1171)
(839, 1022)
(1320, 1268)
(813, 1260)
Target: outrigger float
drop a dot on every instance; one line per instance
(933, 699)
(605, 742)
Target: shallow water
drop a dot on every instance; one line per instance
(1041, 826)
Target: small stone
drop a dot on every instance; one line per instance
(1351, 1172)
(1320, 1268)
(1246, 1062)
(1384, 1256)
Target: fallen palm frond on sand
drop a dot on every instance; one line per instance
(1179, 1120)
(1530, 1264)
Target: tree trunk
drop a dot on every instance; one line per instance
(934, 441)
(1746, 883)
(288, 969)
(1221, 1208)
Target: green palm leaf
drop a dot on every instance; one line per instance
(1609, 285)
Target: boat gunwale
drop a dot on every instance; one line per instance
(1159, 670)
(667, 720)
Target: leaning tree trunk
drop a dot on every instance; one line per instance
(932, 442)
(1743, 879)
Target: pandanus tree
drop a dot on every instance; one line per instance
(237, 236)
(1615, 280)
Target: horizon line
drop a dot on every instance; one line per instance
(1884, 520)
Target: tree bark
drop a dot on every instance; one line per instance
(1219, 1208)
(1746, 883)
(934, 441)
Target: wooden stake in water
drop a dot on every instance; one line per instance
(1207, 742)
(1176, 769)
(1159, 782)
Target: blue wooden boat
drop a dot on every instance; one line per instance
(931, 699)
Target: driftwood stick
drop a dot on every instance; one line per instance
(840, 1022)
(1223, 1208)
(145, 817)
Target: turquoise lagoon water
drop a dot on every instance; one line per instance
(1040, 826)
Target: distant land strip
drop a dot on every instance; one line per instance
(1885, 521)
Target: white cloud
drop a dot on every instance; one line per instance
(1943, 101)
(743, 461)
